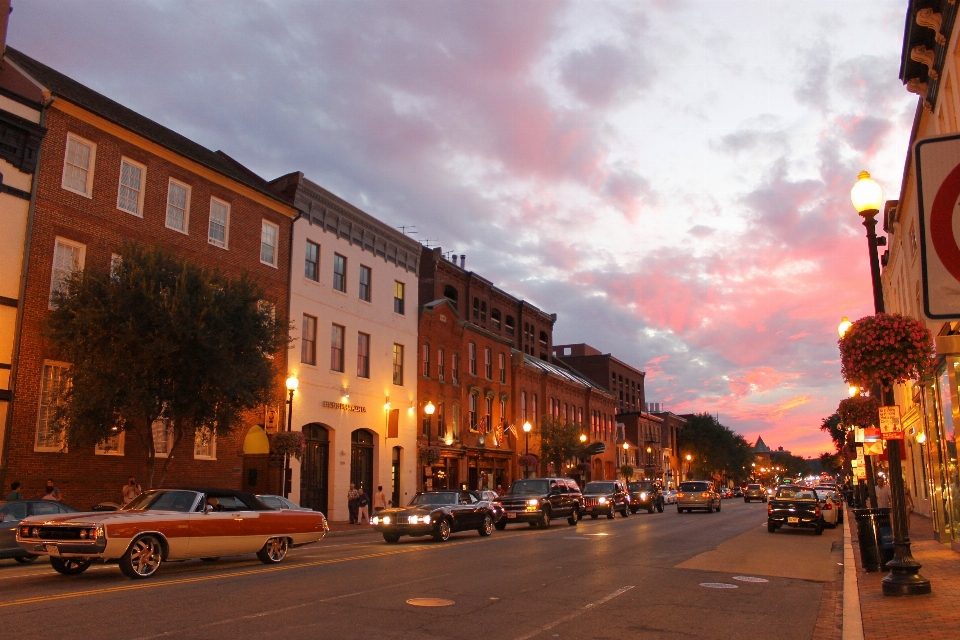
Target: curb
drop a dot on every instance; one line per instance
(852, 620)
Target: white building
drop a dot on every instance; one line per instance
(353, 308)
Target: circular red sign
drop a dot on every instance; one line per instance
(941, 223)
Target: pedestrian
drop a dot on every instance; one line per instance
(51, 492)
(379, 500)
(130, 491)
(363, 507)
(352, 496)
(883, 494)
(15, 493)
(908, 503)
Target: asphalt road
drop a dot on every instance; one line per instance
(643, 576)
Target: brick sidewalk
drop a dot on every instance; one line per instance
(935, 616)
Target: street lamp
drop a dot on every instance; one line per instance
(292, 384)
(845, 325)
(904, 577)
(583, 437)
(526, 438)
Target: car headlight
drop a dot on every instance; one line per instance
(533, 503)
(602, 500)
(643, 495)
(375, 520)
(413, 519)
(386, 519)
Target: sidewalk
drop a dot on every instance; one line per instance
(935, 616)
(338, 529)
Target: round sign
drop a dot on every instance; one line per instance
(941, 223)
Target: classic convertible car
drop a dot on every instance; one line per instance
(437, 514)
(170, 524)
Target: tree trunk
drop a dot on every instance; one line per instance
(178, 436)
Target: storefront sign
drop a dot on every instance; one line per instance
(890, 426)
(343, 406)
(938, 174)
(859, 459)
(271, 418)
(860, 473)
(873, 448)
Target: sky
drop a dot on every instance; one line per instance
(671, 177)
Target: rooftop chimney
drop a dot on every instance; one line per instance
(5, 11)
(463, 261)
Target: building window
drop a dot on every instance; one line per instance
(398, 364)
(363, 355)
(455, 366)
(366, 275)
(523, 406)
(441, 422)
(509, 324)
(451, 294)
(336, 348)
(311, 265)
(68, 258)
(339, 273)
(440, 365)
(425, 349)
(543, 340)
(268, 243)
(472, 359)
(503, 410)
(476, 308)
(398, 297)
(495, 318)
(472, 411)
(52, 384)
(533, 408)
(219, 232)
(488, 415)
(488, 363)
(162, 437)
(178, 206)
(502, 358)
(130, 195)
(78, 165)
(112, 446)
(483, 312)
(455, 422)
(205, 445)
(308, 340)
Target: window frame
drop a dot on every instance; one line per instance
(88, 192)
(425, 359)
(363, 359)
(339, 364)
(502, 362)
(100, 451)
(168, 433)
(226, 227)
(306, 261)
(312, 340)
(143, 186)
(339, 258)
(398, 366)
(61, 445)
(212, 444)
(264, 223)
(186, 211)
(455, 369)
(81, 260)
(365, 286)
(399, 302)
(441, 365)
(472, 358)
(488, 363)
(472, 418)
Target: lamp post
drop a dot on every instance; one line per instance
(429, 409)
(292, 384)
(904, 577)
(526, 438)
(689, 465)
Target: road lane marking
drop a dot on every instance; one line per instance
(718, 585)
(576, 613)
(430, 602)
(749, 579)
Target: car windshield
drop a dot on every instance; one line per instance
(180, 501)
(641, 486)
(694, 486)
(599, 487)
(796, 493)
(442, 497)
(753, 487)
(529, 487)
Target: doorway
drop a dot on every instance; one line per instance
(314, 472)
(395, 478)
(361, 461)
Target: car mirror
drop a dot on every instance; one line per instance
(208, 509)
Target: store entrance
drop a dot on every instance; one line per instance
(314, 472)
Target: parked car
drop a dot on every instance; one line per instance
(738, 492)
(436, 513)
(279, 502)
(670, 496)
(645, 494)
(754, 492)
(726, 493)
(492, 500)
(11, 513)
(697, 494)
(150, 530)
(794, 506)
(606, 497)
(537, 501)
(831, 507)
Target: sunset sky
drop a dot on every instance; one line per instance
(670, 177)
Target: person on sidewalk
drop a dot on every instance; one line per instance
(379, 500)
(908, 502)
(363, 507)
(15, 493)
(883, 494)
(130, 491)
(51, 492)
(352, 496)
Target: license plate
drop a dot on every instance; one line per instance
(511, 515)
(793, 520)
(53, 550)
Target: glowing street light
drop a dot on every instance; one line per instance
(844, 326)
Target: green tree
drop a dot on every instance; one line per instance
(715, 450)
(830, 462)
(791, 466)
(559, 441)
(831, 424)
(160, 338)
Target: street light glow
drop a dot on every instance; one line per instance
(583, 437)
(429, 409)
(626, 445)
(292, 383)
(689, 457)
(527, 427)
(866, 195)
(844, 326)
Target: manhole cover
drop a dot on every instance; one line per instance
(429, 602)
(718, 585)
(749, 579)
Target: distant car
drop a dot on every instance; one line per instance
(605, 497)
(697, 494)
(537, 501)
(738, 492)
(831, 507)
(670, 496)
(754, 492)
(11, 513)
(794, 506)
(645, 494)
(726, 493)
(436, 513)
(279, 502)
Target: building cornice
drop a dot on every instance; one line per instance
(926, 36)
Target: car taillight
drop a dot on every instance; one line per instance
(816, 512)
(828, 506)
(769, 507)
(705, 494)
(681, 495)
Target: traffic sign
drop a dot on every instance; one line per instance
(890, 425)
(938, 174)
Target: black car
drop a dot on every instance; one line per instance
(738, 492)
(645, 494)
(754, 492)
(794, 506)
(11, 513)
(437, 514)
(606, 497)
(537, 501)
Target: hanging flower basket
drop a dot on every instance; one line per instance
(584, 467)
(859, 411)
(626, 471)
(429, 455)
(886, 348)
(529, 461)
(288, 443)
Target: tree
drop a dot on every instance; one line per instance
(830, 462)
(838, 434)
(790, 465)
(715, 450)
(158, 338)
(559, 441)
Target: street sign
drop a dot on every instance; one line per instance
(860, 473)
(873, 448)
(890, 425)
(271, 418)
(938, 174)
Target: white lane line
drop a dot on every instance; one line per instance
(576, 613)
(718, 585)
(750, 579)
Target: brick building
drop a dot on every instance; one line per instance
(108, 175)
(616, 376)
(670, 445)
(643, 433)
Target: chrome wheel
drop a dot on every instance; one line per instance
(274, 551)
(487, 527)
(443, 531)
(143, 558)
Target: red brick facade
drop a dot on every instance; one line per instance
(96, 222)
(622, 380)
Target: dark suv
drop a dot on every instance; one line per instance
(538, 500)
(606, 497)
(754, 492)
(645, 494)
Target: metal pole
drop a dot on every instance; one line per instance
(286, 458)
(870, 223)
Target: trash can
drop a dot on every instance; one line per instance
(875, 536)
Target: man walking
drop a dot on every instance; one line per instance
(363, 504)
(51, 492)
(379, 500)
(352, 507)
(15, 493)
(130, 491)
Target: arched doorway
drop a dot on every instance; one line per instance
(314, 470)
(395, 478)
(598, 469)
(361, 461)
(256, 461)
